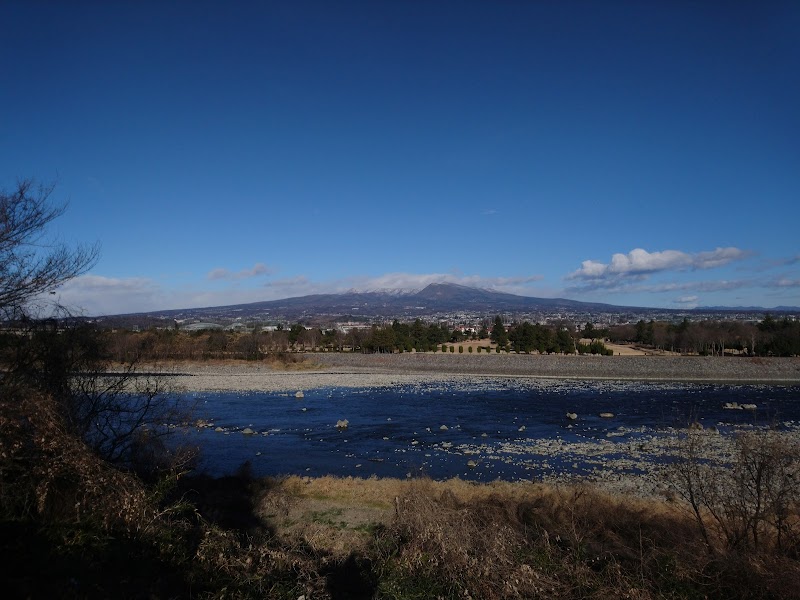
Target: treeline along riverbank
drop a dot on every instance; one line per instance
(767, 338)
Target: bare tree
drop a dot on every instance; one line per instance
(30, 264)
(116, 411)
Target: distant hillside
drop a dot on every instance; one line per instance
(776, 309)
(450, 296)
(435, 299)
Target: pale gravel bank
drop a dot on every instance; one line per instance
(372, 370)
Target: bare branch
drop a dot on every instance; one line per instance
(30, 265)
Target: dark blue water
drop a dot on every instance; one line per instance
(396, 431)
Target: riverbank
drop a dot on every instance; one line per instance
(320, 370)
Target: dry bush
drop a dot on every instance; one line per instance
(46, 473)
(250, 567)
(76, 511)
(470, 549)
(748, 503)
(538, 541)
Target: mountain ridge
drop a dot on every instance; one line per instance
(434, 299)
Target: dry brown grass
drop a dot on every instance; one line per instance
(332, 515)
(528, 541)
(49, 473)
(497, 540)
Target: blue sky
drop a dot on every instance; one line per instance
(637, 153)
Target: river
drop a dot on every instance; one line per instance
(506, 429)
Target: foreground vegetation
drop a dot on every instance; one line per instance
(100, 533)
(112, 511)
(94, 503)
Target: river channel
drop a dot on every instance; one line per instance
(501, 429)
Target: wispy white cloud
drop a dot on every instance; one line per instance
(224, 274)
(417, 281)
(93, 295)
(640, 262)
(97, 295)
(696, 286)
(781, 262)
(784, 282)
(301, 286)
(628, 287)
(687, 301)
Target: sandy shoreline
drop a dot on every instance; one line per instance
(372, 370)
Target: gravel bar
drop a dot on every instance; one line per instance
(371, 370)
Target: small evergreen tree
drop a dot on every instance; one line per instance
(499, 335)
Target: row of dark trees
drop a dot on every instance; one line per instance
(770, 337)
(169, 344)
(528, 338)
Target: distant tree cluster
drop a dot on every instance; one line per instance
(594, 347)
(543, 339)
(156, 345)
(770, 337)
(402, 337)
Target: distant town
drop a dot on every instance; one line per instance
(451, 305)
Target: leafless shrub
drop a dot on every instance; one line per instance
(749, 502)
(119, 412)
